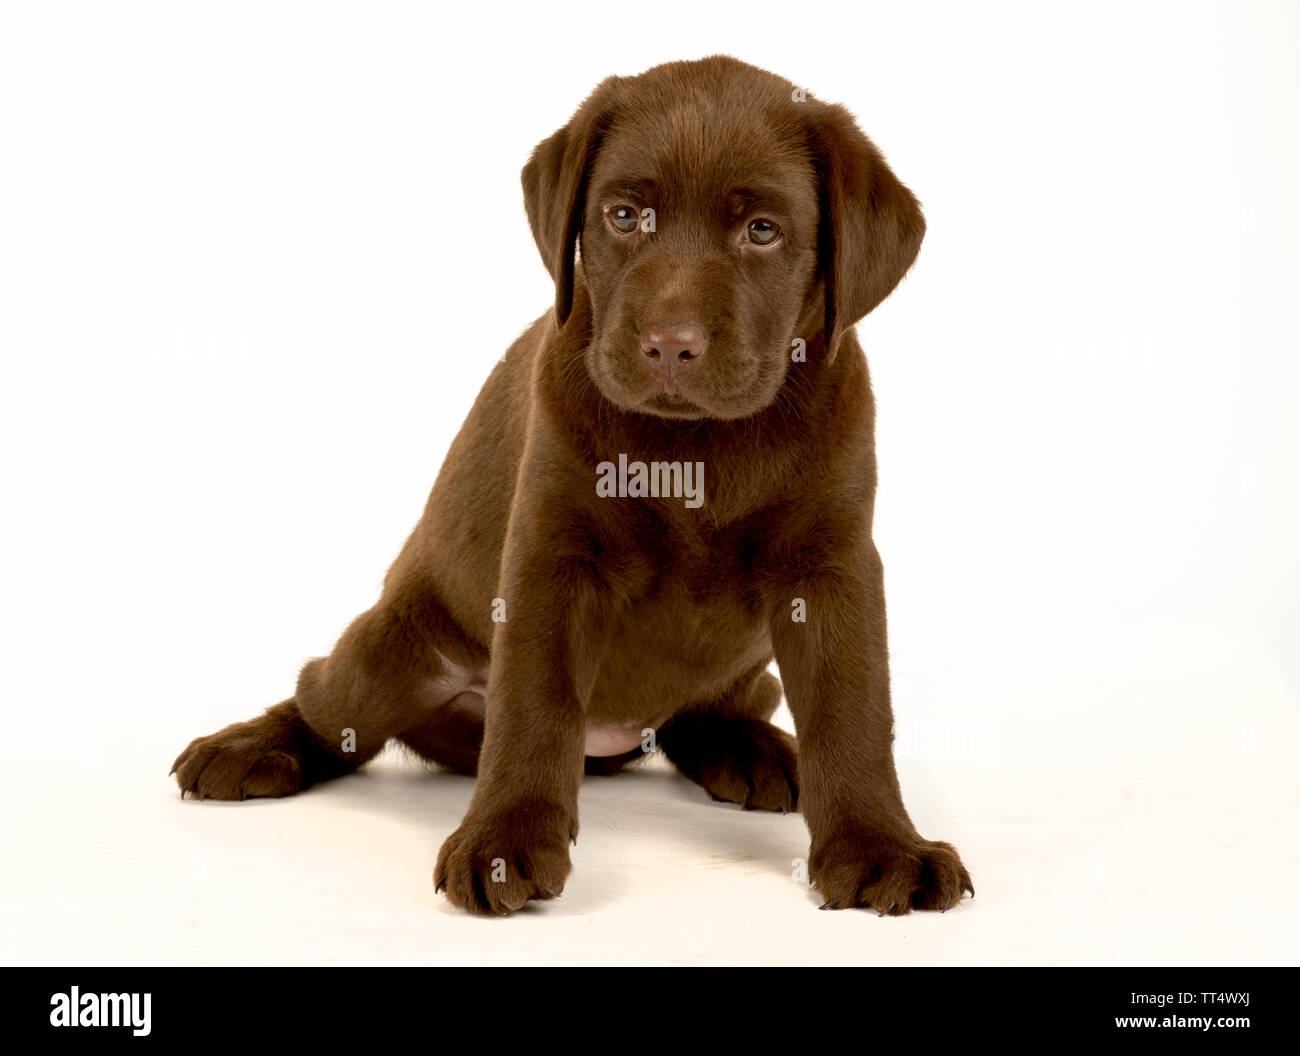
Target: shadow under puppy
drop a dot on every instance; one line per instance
(666, 483)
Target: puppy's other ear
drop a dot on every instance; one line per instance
(871, 225)
(555, 189)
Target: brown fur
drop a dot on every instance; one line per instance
(623, 611)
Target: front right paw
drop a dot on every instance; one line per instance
(499, 859)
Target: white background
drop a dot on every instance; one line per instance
(256, 261)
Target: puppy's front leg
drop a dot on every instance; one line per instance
(830, 642)
(513, 844)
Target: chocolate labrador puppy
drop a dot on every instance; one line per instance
(665, 484)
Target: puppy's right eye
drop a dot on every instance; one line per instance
(623, 219)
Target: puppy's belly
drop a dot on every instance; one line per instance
(606, 739)
(463, 689)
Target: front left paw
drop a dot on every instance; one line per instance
(501, 858)
(892, 874)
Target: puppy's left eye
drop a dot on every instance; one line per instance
(762, 232)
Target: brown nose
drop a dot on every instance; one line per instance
(670, 348)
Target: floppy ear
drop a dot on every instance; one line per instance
(871, 225)
(555, 190)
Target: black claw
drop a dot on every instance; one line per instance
(439, 888)
(833, 904)
(946, 905)
(884, 911)
(552, 892)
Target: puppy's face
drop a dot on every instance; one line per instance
(718, 213)
(699, 249)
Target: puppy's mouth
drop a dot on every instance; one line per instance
(673, 405)
(685, 395)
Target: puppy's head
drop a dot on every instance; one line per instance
(717, 214)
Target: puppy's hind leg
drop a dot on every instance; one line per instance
(452, 736)
(275, 754)
(730, 749)
(373, 686)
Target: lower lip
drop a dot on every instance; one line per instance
(671, 402)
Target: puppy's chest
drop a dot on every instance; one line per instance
(688, 632)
